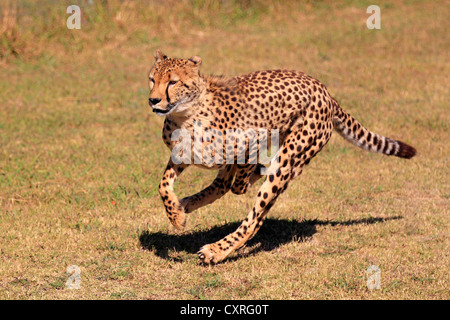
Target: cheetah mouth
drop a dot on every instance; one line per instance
(161, 112)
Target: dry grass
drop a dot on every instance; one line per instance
(81, 155)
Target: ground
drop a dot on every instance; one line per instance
(81, 154)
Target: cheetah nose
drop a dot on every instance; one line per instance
(153, 101)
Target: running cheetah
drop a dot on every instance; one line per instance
(294, 105)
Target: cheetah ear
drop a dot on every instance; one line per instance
(196, 60)
(159, 55)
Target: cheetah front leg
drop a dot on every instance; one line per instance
(174, 209)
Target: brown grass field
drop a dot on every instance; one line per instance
(81, 153)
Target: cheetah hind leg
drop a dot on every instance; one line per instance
(267, 194)
(276, 182)
(217, 189)
(246, 176)
(257, 174)
(293, 155)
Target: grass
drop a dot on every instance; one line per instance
(81, 154)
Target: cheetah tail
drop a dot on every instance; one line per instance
(351, 130)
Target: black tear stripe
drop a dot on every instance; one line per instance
(167, 94)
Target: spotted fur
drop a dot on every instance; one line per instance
(299, 106)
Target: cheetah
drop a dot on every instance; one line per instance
(297, 106)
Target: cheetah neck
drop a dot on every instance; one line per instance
(199, 110)
(192, 110)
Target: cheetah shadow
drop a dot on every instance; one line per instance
(273, 234)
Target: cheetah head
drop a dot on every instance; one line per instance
(173, 84)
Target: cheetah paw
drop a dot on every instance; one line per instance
(178, 218)
(179, 222)
(210, 254)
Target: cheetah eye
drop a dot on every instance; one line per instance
(171, 83)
